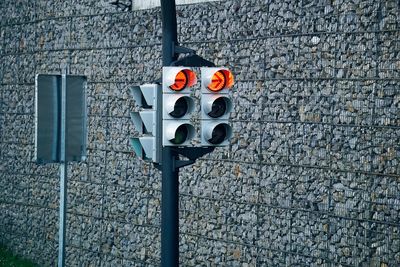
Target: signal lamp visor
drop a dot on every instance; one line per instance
(182, 106)
(184, 78)
(182, 134)
(221, 79)
(219, 134)
(220, 107)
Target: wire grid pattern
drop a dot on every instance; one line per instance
(311, 177)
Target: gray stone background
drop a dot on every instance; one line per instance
(311, 178)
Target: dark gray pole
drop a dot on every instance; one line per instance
(169, 211)
(170, 174)
(169, 31)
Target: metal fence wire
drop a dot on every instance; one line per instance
(312, 174)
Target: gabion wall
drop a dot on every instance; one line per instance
(311, 178)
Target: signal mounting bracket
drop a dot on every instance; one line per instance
(193, 61)
(183, 50)
(192, 153)
(183, 163)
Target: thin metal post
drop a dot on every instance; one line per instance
(170, 174)
(63, 171)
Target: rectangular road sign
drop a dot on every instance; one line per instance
(48, 93)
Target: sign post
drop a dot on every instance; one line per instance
(63, 170)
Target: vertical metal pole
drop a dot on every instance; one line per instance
(169, 31)
(170, 174)
(169, 211)
(63, 171)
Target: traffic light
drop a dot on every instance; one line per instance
(147, 122)
(216, 106)
(178, 105)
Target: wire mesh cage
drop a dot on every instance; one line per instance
(312, 174)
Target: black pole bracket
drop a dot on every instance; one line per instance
(183, 50)
(183, 163)
(193, 61)
(193, 153)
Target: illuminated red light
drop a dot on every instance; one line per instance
(220, 80)
(184, 78)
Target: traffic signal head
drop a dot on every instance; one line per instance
(147, 122)
(178, 105)
(216, 106)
